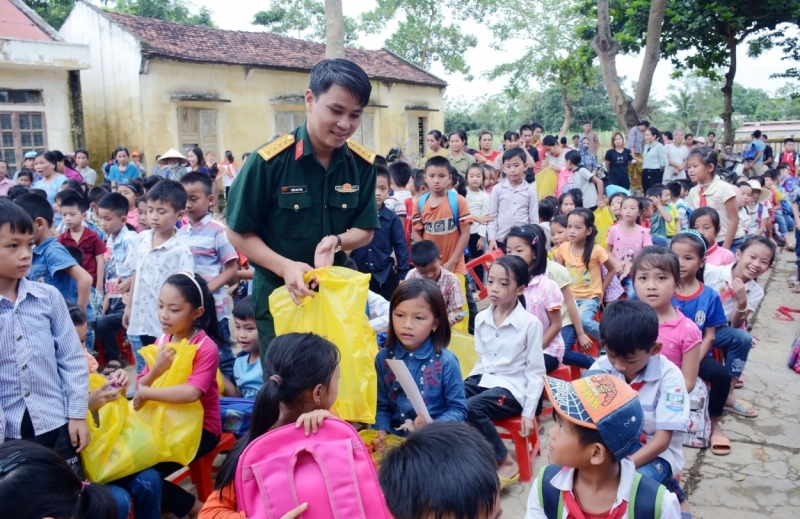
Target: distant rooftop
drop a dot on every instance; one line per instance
(14, 23)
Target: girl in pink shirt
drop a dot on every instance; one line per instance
(131, 189)
(626, 238)
(186, 311)
(657, 274)
(705, 220)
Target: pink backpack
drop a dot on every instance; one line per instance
(330, 470)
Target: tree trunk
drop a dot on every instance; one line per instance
(568, 113)
(606, 47)
(334, 29)
(727, 92)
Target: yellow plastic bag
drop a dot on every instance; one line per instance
(463, 347)
(463, 324)
(179, 426)
(122, 443)
(603, 219)
(391, 441)
(338, 313)
(546, 182)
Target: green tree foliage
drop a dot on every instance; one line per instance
(54, 12)
(428, 31)
(178, 11)
(302, 19)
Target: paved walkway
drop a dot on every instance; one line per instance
(760, 479)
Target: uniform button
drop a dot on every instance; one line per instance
(497, 335)
(24, 367)
(402, 414)
(296, 207)
(325, 206)
(344, 206)
(495, 354)
(27, 394)
(19, 337)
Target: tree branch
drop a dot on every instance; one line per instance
(652, 54)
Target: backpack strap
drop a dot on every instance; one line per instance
(646, 498)
(452, 198)
(549, 496)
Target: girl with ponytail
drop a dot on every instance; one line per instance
(302, 382)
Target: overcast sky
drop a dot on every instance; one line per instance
(753, 73)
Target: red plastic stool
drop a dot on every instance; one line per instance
(718, 355)
(522, 446)
(201, 470)
(562, 372)
(485, 260)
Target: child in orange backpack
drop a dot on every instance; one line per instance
(302, 384)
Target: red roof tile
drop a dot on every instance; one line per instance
(172, 41)
(16, 24)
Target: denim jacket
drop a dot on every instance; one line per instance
(438, 378)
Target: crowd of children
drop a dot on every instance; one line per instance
(149, 259)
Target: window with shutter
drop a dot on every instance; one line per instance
(21, 132)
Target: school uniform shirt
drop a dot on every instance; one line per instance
(560, 275)
(626, 245)
(90, 246)
(438, 225)
(203, 377)
(510, 355)
(450, 285)
(249, 376)
(587, 280)
(117, 248)
(715, 194)
(582, 179)
(564, 480)
(511, 206)
(665, 402)
(751, 218)
(388, 242)
(378, 312)
(543, 295)
(677, 337)
(42, 368)
(719, 279)
(211, 251)
(438, 378)
(153, 266)
(478, 202)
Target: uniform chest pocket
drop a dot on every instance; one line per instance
(296, 213)
(341, 208)
(38, 273)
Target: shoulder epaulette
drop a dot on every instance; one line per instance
(273, 148)
(361, 151)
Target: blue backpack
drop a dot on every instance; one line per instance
(452, 198)
(236, 414)
(750, 153)
(645, 503)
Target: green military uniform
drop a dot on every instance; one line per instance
(287, 198)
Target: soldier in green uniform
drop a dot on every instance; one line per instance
(307, 196)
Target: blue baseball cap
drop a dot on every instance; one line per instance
(612, 190)
(603, 402)
(30, 155)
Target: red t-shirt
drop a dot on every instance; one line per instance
(90, 246)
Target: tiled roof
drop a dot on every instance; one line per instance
(178, 42)
(14, 23)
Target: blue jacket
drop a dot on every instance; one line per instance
(438, 378)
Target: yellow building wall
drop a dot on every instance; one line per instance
(55, 102)
(248, 120)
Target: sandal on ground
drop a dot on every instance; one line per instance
(739, 382)
(111, 367)
(742, 408)
(506, 482)
(720, 445)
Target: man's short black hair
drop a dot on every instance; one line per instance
(71, 198)
(401, 173)
(445, 469)
(757, 134)
(675, 188)
(646, 124)
(382, 171)
(114, 202)
(170, 191)
(97, 193)
(525, 127)
(437, 161)
(344, 73)
(573, 157)
(15, 217)
(514, 152)
(711, 134)
(36, 207)
(549, 140)
(195, 177)
(424, 252)
(243, 310)
(628, 326)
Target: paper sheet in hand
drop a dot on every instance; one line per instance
(412, 391)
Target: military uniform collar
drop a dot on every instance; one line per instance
(303, 147)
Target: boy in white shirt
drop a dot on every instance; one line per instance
(582, 178)
(598, 421)
(629, 330)
(399, 175)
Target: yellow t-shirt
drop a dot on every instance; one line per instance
(587, 280)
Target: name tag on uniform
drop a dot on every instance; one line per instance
(293, 190)
(347, 188)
